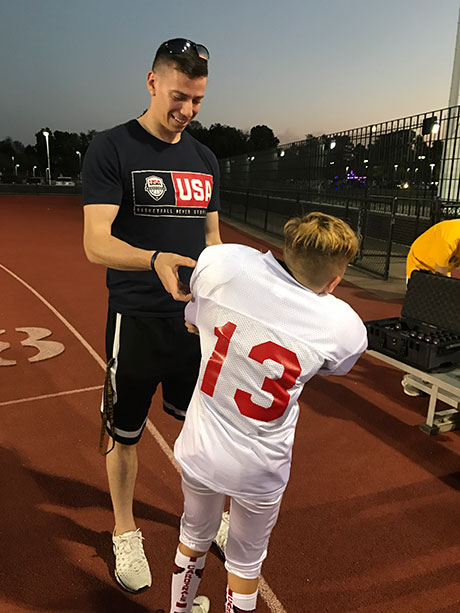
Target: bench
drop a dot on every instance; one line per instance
(442, 386)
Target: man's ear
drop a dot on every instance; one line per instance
(151, 82)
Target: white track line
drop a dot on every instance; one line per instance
(44, 396)
(265, 591)
(66, 323)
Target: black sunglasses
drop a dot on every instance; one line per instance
(182, 45)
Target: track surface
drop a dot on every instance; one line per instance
(370, 518)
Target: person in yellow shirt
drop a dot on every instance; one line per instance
(437, 249)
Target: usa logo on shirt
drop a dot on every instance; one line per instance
(159, 193)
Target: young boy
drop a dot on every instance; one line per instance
(265, 328)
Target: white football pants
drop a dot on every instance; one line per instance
(251, 523)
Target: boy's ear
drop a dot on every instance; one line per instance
(330, 287)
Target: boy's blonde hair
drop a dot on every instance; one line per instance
(319, 246)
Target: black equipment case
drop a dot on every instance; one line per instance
(427, 335)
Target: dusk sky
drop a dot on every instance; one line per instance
(298, 66)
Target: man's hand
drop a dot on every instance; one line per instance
(167, 268)
(191, 328)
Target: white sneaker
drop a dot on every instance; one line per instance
(201, 604)
(221, 537)
(131, 567)
(409, 389)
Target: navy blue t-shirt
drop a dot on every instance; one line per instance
(164, 192)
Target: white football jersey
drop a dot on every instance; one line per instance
(263, 336)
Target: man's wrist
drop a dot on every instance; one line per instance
(153, 258)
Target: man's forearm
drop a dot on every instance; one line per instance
(442, 269)
(213, 239)
(114, 253)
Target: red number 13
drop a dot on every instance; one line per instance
(264, 351)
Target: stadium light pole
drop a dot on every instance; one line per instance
(79, 162)
(46, 134)
(449, 176)
(455, 81)
(16, 169)
(33, 170)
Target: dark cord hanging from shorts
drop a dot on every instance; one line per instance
(107, 414)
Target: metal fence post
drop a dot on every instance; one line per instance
(417, 220)
(267, 204)
(390, 238)
(360, 229)
(246, 207)
(435, 213)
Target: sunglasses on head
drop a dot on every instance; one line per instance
(176, 46)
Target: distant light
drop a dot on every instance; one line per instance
(253, 157)
(332, 144)
(421, 157)
(365, 161)
(282, 153)
(374, 129)
(331, 163)
(430, 125)
(405, 185)
(45, 133)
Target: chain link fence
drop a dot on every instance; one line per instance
(390, 181)
(385, 226)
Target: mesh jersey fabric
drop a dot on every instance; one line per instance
(263, 336)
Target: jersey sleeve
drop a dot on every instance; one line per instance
(210, 275)
(352, 342)
(101, 173)
(191, 309)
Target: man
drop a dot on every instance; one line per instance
(151, 200)
(266, 328)
(436, 250)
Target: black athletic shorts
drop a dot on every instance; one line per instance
(148, 351)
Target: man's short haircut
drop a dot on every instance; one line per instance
(321, 245)
(189, 63)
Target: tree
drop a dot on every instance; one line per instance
(63, 151)
(198, 131)
(262, 137)
(12, 152)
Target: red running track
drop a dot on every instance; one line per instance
(369, 520)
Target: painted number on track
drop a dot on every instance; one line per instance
(34, 338)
